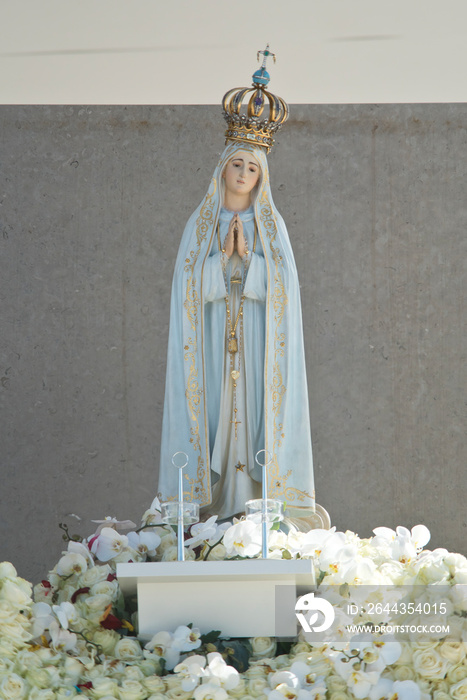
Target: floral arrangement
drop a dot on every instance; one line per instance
(74, 634)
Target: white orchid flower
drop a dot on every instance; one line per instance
(42, 618)
(221, 529)
(145, 543)
(315, 542)
(376, 652)
(306, 677)
(62, 639)
(202, 531)
(217, 668)
(402, 544)
(284, 677)
(66, 613)
(113, 523)
(186, 639)
(285, 691)
(71, 563)
(108, 544)
(191, 671)
(360, 682)
(161, 645)
(386, 689)
(244, 539)
(210, 691)
(153, 515)
(80, 548)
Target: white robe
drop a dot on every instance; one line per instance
(233, 447)
(272, 398)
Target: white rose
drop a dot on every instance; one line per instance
(282, 661)
(107, 639)
(256, 686)
(404, 673)
(7, 570)
(167, 541)
(42, 594)
(16, 593)
(171, 554)
(457, 673)
(461, 576)
(128, 649)
(6, 666)
(263, 647)
(13, 687)
(8, 612)
(457, 627)
(154, 684)
(132, 690)
(443, 685)
(133, 673)
(43, 677)
(179, 694)
(452, 650)
(73, 669)
(240, 690)
(173, 682)
(8, 650)
(459, 690)
(48, 656)
(158, 696)
(102, 686)
(441, 695)
(340, 695)
(255, 672)
(300, 648)
(219, 553)
(26, 660)
(65, 693)
(15, 633)
(97, 603)
(149, 667)
(316, 662)
(108, 588)
(41, 694)
(405, 657)
(455, 561)
(336, 683)
(266, 666)
(94, 575)
(429, 664)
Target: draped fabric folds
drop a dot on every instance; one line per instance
(195, 373)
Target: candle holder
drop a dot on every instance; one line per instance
(177, 512)
(264, 510)
(269, 507)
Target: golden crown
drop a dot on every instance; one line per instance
(249, 127)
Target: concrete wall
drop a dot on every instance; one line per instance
(93, 204)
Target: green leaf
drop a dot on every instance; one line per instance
(211, 637)
(238, 654)
(321, 576)
(286, 554)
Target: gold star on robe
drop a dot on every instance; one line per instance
(240, 467)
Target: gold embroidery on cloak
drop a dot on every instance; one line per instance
(198, 489)
(277, 483)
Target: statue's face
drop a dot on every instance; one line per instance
(241, 173)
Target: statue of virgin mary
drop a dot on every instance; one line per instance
(236, 379)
